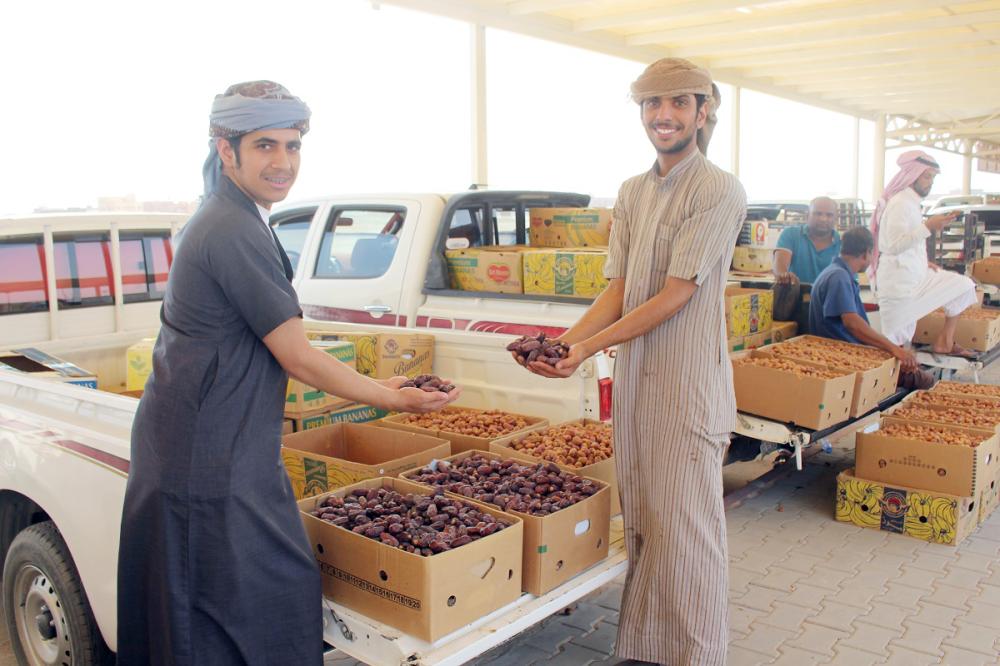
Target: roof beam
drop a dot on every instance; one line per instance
(860, 76)
(927, 91)
(863, 63)
(809, 56)
(522, 7)
(784, 21)
(668, 13)
(801, 39)
(558, 30)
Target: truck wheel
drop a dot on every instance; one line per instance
(48, 616)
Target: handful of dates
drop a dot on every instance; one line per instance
(429, 383)
(529, 349)
(537, 490)
(419, 524)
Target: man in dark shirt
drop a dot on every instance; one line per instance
(836, 310)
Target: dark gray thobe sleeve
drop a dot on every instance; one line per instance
(248, 269)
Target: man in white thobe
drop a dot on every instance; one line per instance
(907, 285)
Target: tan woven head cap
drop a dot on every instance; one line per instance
(669, 77)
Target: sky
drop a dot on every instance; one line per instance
(112, 98)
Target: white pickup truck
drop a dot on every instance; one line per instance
(362, 263)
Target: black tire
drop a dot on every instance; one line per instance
(40, 583)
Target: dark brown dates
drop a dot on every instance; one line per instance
(419, 524)
(429, 383)
(538, 348)
(537, 490)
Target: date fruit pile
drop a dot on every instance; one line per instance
(538, 348)
(419, 524)
(488, 424)
(570, 444)
(987, 390)
(537, 490)
(788, 365)
(830, 357)
(969, 418)
(949, 400)
(924, 433)
(429, 383)
(843, 348)
(980, 314)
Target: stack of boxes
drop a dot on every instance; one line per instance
(754, 248)
(936, 477)
(978, 328)
(565, 258)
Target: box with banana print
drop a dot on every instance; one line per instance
(930, 516)
(577, 272)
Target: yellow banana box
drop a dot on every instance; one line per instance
(139, 364)
(575, 272)
(748, 311)
(301, 398)
(385, 355)
(569, 227)
(495, 269)
(930, 516)
(332, 456)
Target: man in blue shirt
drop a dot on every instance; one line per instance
(836, 310)
(806, 249)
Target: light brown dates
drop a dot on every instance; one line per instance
(570, 444)
(488, 424)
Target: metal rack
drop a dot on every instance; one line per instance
(799, 438)
(958, 244)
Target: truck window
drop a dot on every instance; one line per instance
(83, 270)
(505, 223)
(466, 224)
(291, 228)
(146, 259)
(359, 243)
(22, 276)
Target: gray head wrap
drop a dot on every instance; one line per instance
(249, 107)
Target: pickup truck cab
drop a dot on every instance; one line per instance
(379, 260)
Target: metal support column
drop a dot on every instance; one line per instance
(734, 155)
(966, 166)
(878, 165)
(856, 162)
(479, 170)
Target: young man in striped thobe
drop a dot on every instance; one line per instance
(671, 245)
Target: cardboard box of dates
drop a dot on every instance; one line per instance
(792, 391)
(583, 446)
(558, 542)
(875, 371)
(947, 459)
(337, 455)
(930, 516)
(977, 328)
(949, 410)
(428, 593)
(467, 429)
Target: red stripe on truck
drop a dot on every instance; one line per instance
(324, 313)
(102, 457)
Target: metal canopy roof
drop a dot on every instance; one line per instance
(930, 66)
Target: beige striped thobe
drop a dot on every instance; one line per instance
(673, 411)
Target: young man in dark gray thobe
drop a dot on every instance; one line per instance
(214, 566)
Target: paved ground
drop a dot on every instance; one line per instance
(805, 589)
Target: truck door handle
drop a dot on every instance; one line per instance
(377, 308)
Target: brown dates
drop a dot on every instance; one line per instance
(538, 348)
(537, 490)
(429, 383)
(489, 424)
(419, 524)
